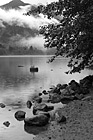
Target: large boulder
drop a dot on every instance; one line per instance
(20, 115)
(38, 120)
(42, 107)
(67, 92)
(55, 98)
(75, 87)
(35, 130)
(87, 82)
(67, 99)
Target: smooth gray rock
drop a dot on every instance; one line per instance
(38, 120)
(2, 105)
(42, 107)
(20, 115)
(29, 104)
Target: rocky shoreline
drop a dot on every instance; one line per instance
(71, 121)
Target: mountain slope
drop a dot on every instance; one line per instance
(13, 31)
(14, 4)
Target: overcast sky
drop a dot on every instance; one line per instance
(28, 1)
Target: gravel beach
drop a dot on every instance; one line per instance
(79, 124)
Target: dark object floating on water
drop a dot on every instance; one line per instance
(20, 66)
(34, 69)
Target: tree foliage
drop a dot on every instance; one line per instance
(73, 35)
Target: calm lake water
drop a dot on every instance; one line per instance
(18, 84)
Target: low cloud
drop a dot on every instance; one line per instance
(15, 17)
(37, 41)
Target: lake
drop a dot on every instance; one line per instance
(18, 84)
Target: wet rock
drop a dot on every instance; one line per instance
(38, 100)
(75, 87)
(40, 94)
(7, 123)
(55, 90)
(58, 85)
(52, 87)
(67, 99)
(42, 107)
(44, 92)
(35, 130)
(55, 98)
(66, 92)
(44, 113)
(38, 120)
(20, 115)
(63, 86)
(29, 104)
(87, 82)
(2, 105)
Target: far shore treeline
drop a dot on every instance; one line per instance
(17, 50)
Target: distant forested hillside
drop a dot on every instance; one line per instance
(9, 50)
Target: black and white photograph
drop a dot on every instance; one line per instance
(46, 69)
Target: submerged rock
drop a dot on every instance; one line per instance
(38, 120)
(2, 105)
(20, 115)
(29, 104)
(7, 123)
